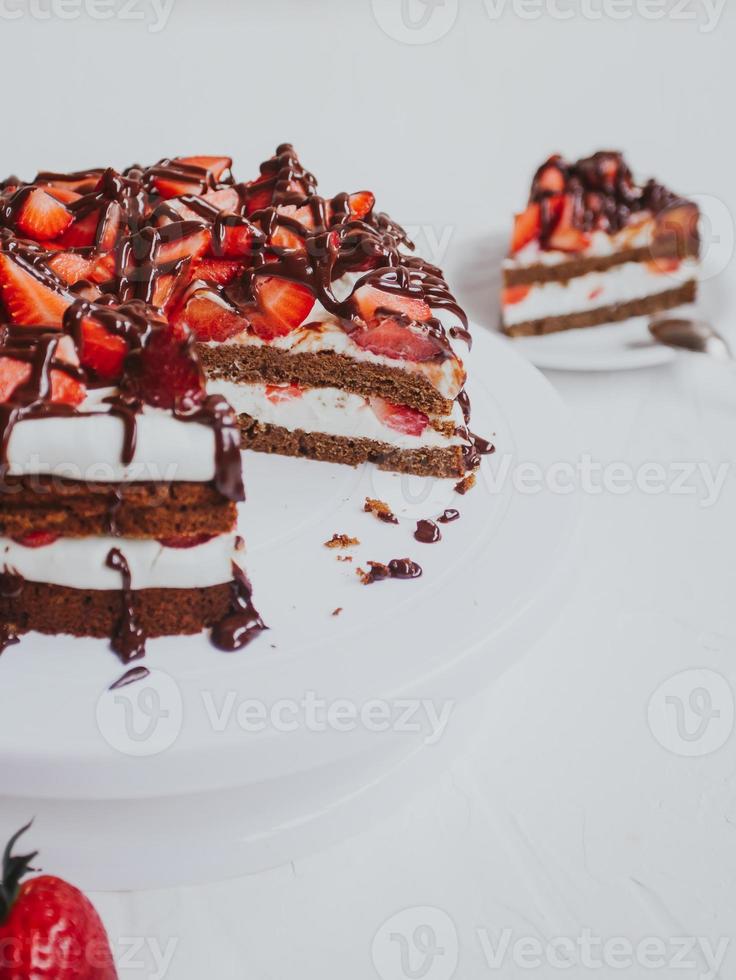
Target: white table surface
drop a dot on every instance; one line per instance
(566, 816)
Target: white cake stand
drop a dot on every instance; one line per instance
(221, 764)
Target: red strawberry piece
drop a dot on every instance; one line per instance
(235, 239)
(104, 268)
(551, 179)
(165, 372)
(12, 374)
(369, 300)
(49, 930)
(514, 294)
(36, 539)
(218, 271)
(215, 166)
(27, 300)
(527, 227)
(82, 232)
(226, 199)
(168, 187)
(259, 197)
(64, 194)
(361, 204)
(101, 351)
(283, 393)
(595, 293)
(72, 266)
(285, 238)
(42, 216)
(191, 245)
(185, 540)
(566, 237)
(283, 306)
(210, 320)
(393, 337)
(663, 266)
(401, 418)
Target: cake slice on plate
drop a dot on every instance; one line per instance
(119, 483)
(595, 247)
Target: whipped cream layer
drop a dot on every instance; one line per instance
(639, 233)
(330, 411)
(80, 563)
(620, 284)
(90, 448)
(321, 331)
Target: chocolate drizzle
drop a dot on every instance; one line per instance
(401, 568)
(449, 515)
(427, 532)
(128, 639)
(600, 190)
(242, 623)
(130, 677)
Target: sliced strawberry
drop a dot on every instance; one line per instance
(595, 293)
(514, 294)
(285, 238)
(26, 299)
(185, 540)
(166, 373)
(527, 227)
(393, 337)
(362, 203)
(566, 237)
(82, 232)
(283, 393)
(236, 238)
(401, 418)
(551, 179)
(71, 266)
(42, 216)
(369, 300)
(217, 271)
(63, 194)
(215, 166)
(13, 374)
(101, 351)
(168, 187)
(192, 245)
(64, 388)
(259, 197)
(210, 320)
(283, 307)
(36, 539)
(104, 268)
(226, 199)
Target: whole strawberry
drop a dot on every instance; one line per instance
(48, 929)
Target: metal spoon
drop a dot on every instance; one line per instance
(693, 335)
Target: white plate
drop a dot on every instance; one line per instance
(610, 347)
(126, 784)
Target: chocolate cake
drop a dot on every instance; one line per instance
(594, 247)
(87, 546)
(135, 309)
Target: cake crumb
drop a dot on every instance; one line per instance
(336, 612)
(344, 557)
(467, 483)
(341, 541)
(381, 510)
(402, 568)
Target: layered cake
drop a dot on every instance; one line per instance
(135, 309)
(594, 247)
(119, 489)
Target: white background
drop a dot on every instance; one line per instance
(567, 813)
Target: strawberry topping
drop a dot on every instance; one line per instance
(394, 337)
(400, 418)
(42, 216)
(36, 539)
(282, 307)
(283, 393)
(165, 372)
(185, 540)
(26, 298)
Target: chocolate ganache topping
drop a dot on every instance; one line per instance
(595, 193)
